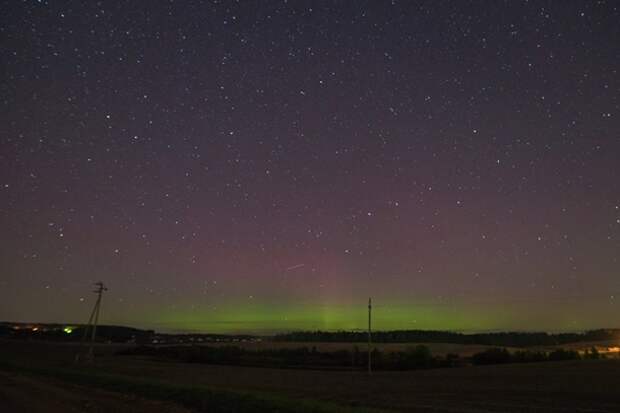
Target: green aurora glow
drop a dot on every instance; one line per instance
(265, 318)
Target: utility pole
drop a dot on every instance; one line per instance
(369, 335)
(93, 320)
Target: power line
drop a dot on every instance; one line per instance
(93, 320)
(369, 335)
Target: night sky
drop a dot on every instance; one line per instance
(267, 166)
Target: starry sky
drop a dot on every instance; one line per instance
(264, 166)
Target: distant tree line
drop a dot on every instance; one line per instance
(53, 332)
(510, 339)
(107, 333)
(128, 334)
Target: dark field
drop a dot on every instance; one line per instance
(46, 369)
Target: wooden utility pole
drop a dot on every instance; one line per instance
(93, 320)
(369, 335)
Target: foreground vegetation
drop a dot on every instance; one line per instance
(502, 356)
(414, 357)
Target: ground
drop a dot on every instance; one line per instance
(21, 394)
(581, 386)
(591, 386)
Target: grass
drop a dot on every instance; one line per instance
(202, 398)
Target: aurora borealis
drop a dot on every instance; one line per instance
(268, 166)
